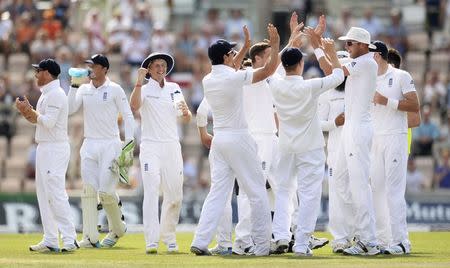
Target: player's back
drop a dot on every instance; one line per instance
(223, 91)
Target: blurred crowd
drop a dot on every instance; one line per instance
(129, 33)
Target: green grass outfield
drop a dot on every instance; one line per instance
(429, 250)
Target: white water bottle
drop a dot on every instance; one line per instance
(177, 99)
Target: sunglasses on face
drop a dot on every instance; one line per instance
(350, 43)
(37, 70)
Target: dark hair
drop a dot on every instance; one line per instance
(291, 67)
(394, 57)
(257, 50)
(246, 63)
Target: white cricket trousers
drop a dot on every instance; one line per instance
(351, 175)
(304, 172)
(339, 225)
(161, 168)
(52, 159)
(388, 177)
(269, 154)
(96, 159)
(234, 153)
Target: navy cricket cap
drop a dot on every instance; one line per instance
(218, 49)
(49, 65)
(291, 56)
(99, 59)
(381, 48)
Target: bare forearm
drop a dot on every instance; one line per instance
(135, 99)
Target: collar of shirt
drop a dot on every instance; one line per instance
(221, 68)
(106, 84)
(389, 70)
(153, 83)
(49, 86)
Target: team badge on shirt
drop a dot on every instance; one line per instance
(146, 167)
(105, 96)
(390, 82)
(353, 63)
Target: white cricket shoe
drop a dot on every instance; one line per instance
(239, 250)
(70, 247)
(41, 247)
(399, 249)
(340, 246)
(172, 248)
(281, 246)
(110, 240)
(86, 243)
(220, 250)
(306, 253)
(152, 248)
(359, 248)
(315, 242)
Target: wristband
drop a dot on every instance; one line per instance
(319, 53)
(393, 104)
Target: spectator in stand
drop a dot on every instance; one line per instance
(117, 31)
(128, 10)
(425, 135)
(42, 47)
(162, 40)
(30, 7)
(143, 21)
(61, 8)
(344, 22)
(196, 88)
(8, 113)
(434, 93)
(371, 23)
(213, 21)
(415, 181)
(25, 34)
(91, 44)
(235, 22)
(30, 89)
(134, 49)
(442, 173)
(64, 58)
(206, 38)
(50, 25)
(396, 33)
(6, 29)
(185, 48)
(94, 27)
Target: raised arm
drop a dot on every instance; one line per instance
(135, 99)
(270, 67)
(237, 60)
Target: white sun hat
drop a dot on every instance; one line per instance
(358, 34)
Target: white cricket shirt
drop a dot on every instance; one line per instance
(393, 84)
(296, 103)
(258, 108)
(52, 107)
(101, 108)
(202, 113)
(223, 88)
(158, 111)
(331, 104)
(359, 90)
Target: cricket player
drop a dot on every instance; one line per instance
(102, 101)
(233, 150)
(332, 119)
(302, 157)
(159, 102)
(52, 158)
(353, 158)
(394, 97)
